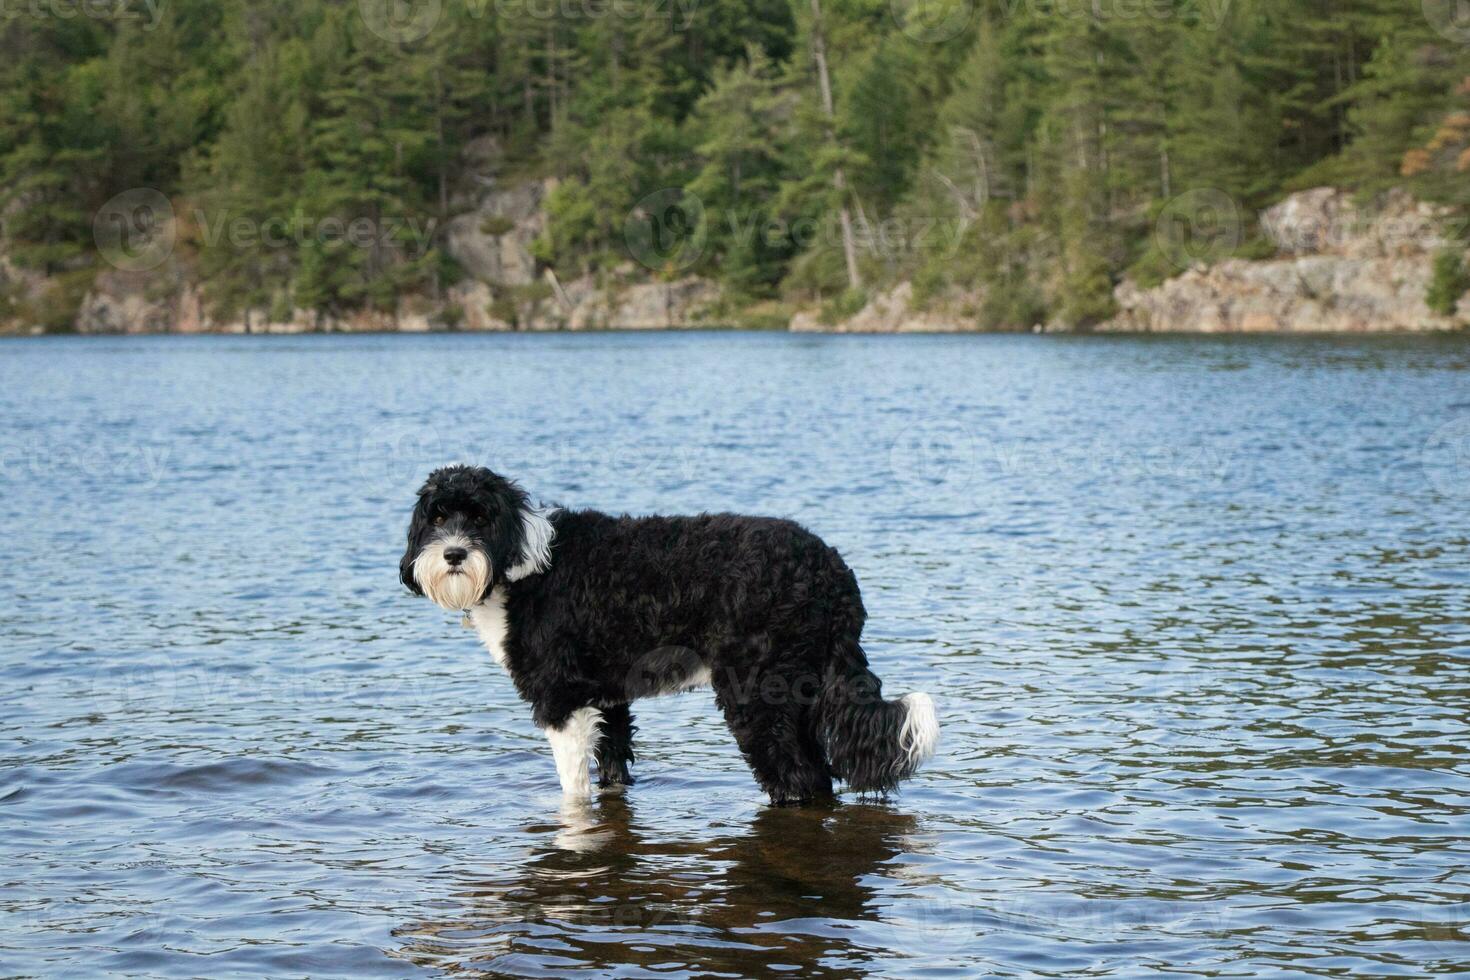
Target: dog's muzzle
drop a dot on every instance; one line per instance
(453, 572)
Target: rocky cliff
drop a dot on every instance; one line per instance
(1339, 267)
(503, 288)
(894, 311)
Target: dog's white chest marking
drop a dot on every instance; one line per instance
(573, 744)
(492, 624)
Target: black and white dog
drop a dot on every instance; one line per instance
(589, 612)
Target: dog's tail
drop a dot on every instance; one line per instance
(873, 744)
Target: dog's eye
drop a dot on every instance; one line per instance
(439, 520)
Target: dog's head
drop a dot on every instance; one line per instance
(471, 531)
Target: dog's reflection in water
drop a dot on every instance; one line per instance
(792, 889)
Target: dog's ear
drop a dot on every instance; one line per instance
(535, 543)
(519, 540)
(406, 572)
(416, 526)
(405, 564)
(503, 539)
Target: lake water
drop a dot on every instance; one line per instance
(1194, 612)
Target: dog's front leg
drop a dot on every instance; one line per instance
(573, 743)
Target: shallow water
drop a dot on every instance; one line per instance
(1194, 612)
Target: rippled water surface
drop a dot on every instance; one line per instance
(1194, 612)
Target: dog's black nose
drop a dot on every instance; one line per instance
(455, 555)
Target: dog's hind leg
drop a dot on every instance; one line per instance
(615, 746)
(776, 728)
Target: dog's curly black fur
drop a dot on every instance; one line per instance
(622, 608)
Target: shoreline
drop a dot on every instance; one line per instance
(1336, 266)
(1429, 332)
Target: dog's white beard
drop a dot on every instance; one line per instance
(447, 586)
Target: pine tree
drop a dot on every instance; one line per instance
(1403, 92)
(738, 127)
(1084, 63)
(53, 160)
(1054, 140)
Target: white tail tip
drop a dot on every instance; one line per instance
(919, 736)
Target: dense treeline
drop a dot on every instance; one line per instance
(1026, 150)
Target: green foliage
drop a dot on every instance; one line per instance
(738, 128)
(1450, 281)
(509, 301)
(767, 315)
(55, 309)
(1042, 140)
(496, 225)
(451, 317)
(845, 304)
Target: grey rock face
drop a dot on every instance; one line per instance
(1340, 267)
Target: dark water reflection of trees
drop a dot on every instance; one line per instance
(791, 890)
